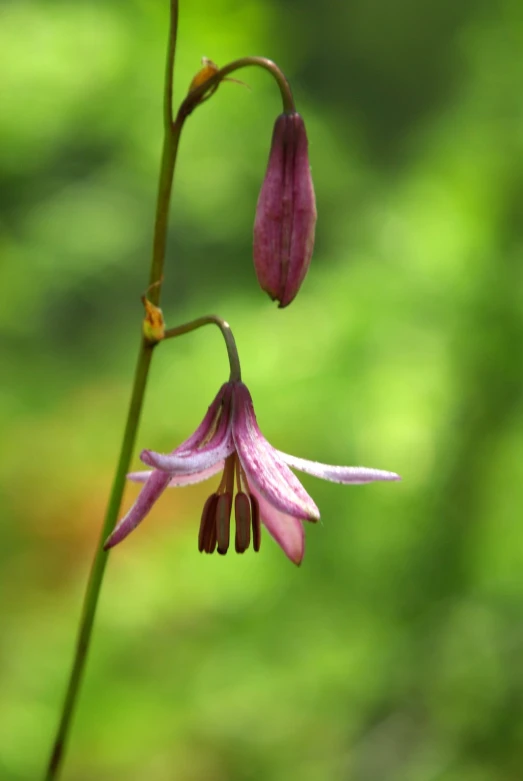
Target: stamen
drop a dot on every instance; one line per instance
(228, 473)
(223, 522)
(227, 481)
(207, 533)
(240, 485)
(241, 478)
(242, 513)
(256, 526)
(212, 539)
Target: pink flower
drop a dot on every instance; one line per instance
(229, 441)
(286, 213)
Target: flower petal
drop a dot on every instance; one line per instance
(205, 429)
(180, 480)
(205, 454)
(189, 465)
(152, 490)
(287, 530)
(264, 467)
(355, 475)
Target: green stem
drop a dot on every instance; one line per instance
(99, 563)
(195, 96)
(225, 328)
(171, 140)
(169, 67)
(168, 161)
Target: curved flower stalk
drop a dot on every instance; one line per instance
(229, 441)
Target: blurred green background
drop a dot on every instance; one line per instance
(396, 652)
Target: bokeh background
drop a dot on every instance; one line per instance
(395, 653)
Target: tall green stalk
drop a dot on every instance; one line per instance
(168, 161)
(172, 131)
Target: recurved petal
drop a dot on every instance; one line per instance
(287, 530)
(208, 424)
(355, 475)
(152, 490)
(203, 456)
(179, 480)
(189, 465)
(265, 469)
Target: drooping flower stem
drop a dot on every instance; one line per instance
(230, 342)
(195, 97)
(170, 147)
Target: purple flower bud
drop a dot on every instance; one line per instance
(286, 213)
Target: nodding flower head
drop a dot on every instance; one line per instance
(256, 480)
(286, 213)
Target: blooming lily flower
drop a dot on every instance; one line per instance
(229, 441)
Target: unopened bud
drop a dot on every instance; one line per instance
(207, 71)
(153, 323)
(286, 213)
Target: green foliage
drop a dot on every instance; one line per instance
(394, 653)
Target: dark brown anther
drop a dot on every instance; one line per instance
(223, 522)
(242, 514)
(256, 526)
(212, 538)
(207, 533)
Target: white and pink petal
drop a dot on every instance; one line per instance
(150, 493)
(262, 464)
(208, 425)
(286, 530)
(187, 465)
(180, 480)
(349, 475)
(206, 454)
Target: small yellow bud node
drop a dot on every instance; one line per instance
(209, 70)
(153, 322)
